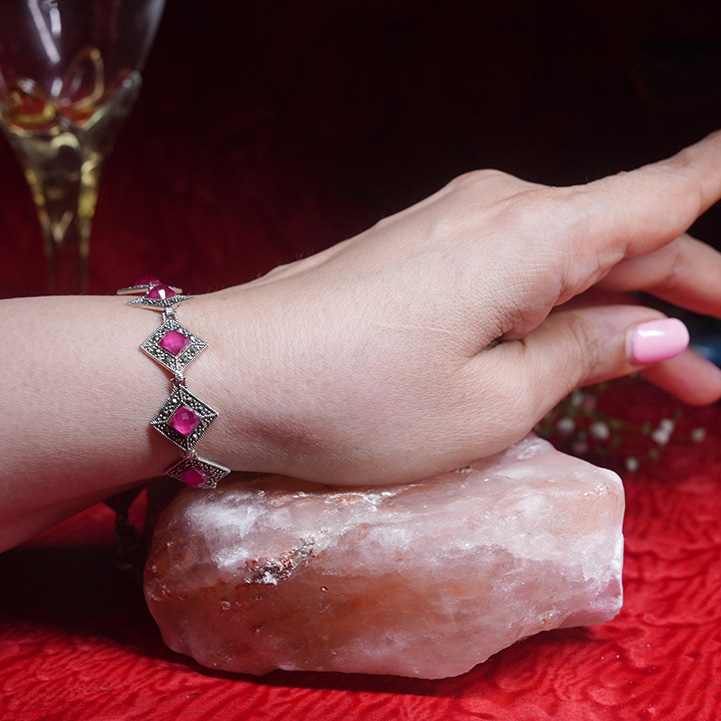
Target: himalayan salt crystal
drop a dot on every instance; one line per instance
(184, 421)
(426, 579)
(174, 342)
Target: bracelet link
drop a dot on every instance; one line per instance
(183, 418)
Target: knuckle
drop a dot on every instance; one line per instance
(686, 173)
(486, 185)
(475, 179)
(673, 270)
(585, 349)
(694, 195)
(544, 208)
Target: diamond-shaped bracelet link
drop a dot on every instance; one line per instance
(183, 418)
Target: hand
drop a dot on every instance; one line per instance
(445, 332)
(440, 335)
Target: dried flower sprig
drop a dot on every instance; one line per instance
(577, 426)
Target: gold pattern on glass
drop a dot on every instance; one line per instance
(62, 143)
(69, 74)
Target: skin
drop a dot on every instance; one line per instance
(440, 335)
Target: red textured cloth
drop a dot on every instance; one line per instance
(264, 135)
(78, 644)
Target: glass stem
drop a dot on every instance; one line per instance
(64, 182)
(62, 154)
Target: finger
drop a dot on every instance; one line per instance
(642, 210)
(584, 346)
(631, 214)
(685, 272)
(690, 378)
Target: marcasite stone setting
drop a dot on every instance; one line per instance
(162, 344)
(173, 425)
(198, 473)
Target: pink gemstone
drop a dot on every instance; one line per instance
(174, 342)
(184, 421)
(194, 477)
(161, 291)
(147, 280)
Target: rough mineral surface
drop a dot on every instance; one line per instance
(426, 579)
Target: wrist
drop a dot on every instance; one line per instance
(76, 397)
(227, 377)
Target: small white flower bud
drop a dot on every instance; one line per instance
(698, 435)
(566, 425)
(600, 430)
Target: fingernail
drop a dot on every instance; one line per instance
(657, 340)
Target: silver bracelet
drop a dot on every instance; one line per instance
(183, 418)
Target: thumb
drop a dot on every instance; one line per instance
(582, 346)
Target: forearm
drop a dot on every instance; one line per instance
(77, 398)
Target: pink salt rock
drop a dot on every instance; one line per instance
(426, 579)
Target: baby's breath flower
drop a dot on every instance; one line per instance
(631, 464)
(698, 435)
(566, 426)
(600, 430)
(582, 428)
(577, 398)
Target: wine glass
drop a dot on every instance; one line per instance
(69, 74)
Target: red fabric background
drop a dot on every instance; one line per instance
(265, 134)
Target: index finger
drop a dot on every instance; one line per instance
(634, 213)
(639, 211)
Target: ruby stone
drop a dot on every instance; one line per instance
(161, 291)
(184, 421)
(174, 342)
(194, 477)
(147, 280)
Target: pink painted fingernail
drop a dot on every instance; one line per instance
(657, 340)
